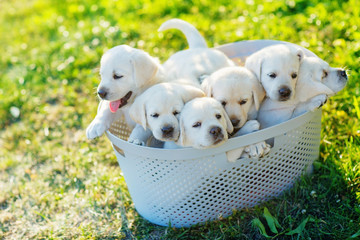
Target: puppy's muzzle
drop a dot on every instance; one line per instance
(167, 131)
(284, 93)
(102, 93)
(342, 74)
(235, 122)
(217, 134)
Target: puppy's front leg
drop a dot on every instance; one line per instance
(255, 150)
(102, 121)
(311, 105)
(233, 155)
(139, 135)
(249, 127)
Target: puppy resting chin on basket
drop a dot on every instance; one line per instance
(156, 112)
(316, 81)
(277, 68)
(125, 73)
(240, 93)
(203, 124)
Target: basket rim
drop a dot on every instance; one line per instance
(230, 144)
(256, 45)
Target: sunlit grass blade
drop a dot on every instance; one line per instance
(258, 224)
(355, 236)
(271, 221)
(301, 227)
(356, 105)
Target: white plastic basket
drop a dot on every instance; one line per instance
(183, 187)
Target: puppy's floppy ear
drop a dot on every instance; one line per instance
(206, 86)
(188, 92)
(309, 83)
(258, 93)
(144, 67)
(229, 126)
(254, 64)
(299, 53)
(182, 137)
(137, 111)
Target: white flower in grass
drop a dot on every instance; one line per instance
(313, 194)
(15, 111)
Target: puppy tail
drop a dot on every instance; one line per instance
(193, 37)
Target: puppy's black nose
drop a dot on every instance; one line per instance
(215, 131)
(342, 73)
(167, 130)
(234, 121)
(102, 93)
(284, 92)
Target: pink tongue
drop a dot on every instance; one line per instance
(114, 106)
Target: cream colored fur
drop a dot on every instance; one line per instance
(135, 71)
(158, 109)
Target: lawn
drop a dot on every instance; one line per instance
(56, 184)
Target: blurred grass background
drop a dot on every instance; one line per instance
(54, 183)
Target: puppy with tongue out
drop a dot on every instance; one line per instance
(125, 73)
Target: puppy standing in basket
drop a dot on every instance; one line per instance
(197, 61)
(317, 80)
(156, 112)
(125, 73)
(203, 124)
(240, 93)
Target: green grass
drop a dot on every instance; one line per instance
(54, 183)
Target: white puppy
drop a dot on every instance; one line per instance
(277, 69)
(203, 124)
(125, 73)
(238, 90)
(316, 81)
(241, 94)
(198, 60)
(156, 111)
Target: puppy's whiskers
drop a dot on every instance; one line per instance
(95, 90)
(96, 70)
(347, 70)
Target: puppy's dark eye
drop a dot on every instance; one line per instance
(272, 75)
(223, 103)
(155, 115)
(116, 77)
(242, 102)
(294, 75)
(218, 116)
(197, 124)
(175, 112)
(325, 74)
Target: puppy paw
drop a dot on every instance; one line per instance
(252, 125)
(317, 102)
(136, 142)
(249, 127)
(257, 150)
(96, 129)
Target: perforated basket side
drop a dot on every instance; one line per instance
(188, 186)
(194, 190)
(120, 129)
